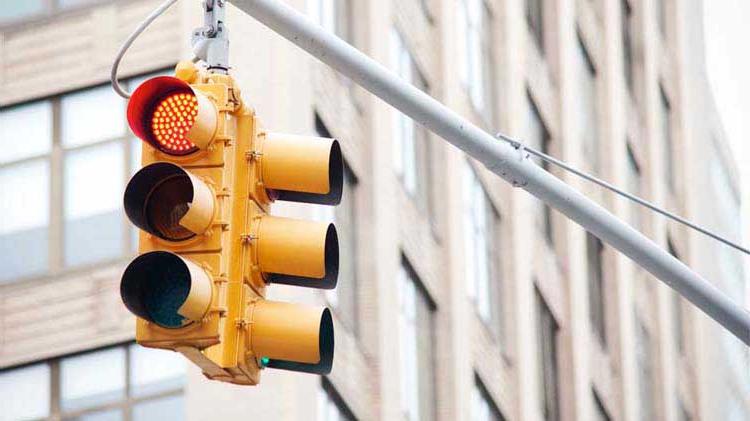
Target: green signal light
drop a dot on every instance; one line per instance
(264, 361)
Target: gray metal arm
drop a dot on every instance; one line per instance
(498, 157)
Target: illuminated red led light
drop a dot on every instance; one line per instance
(172, 119)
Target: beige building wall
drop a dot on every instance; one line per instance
(73, 310)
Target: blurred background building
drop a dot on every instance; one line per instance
(459, 296)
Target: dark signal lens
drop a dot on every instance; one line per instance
(168, 203)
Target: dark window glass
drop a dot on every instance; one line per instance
(483, 407)
(100, 385)
(645, 369)
(600, 413)
(665, 120)
(588, 124)
(547, 330)
(417, 343)
(15, 10)
(535, 19)
(633, 175)
(627, 42)
(331, 407)
(594, 249)
(539, 138)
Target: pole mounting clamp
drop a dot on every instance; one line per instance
(211, 42)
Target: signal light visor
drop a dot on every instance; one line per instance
(299, 253)
(171, 116)
(292, 337)
(169, 202)
(302, 168)
(166, 289)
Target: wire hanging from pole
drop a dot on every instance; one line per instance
(552, 160)
(128, 42)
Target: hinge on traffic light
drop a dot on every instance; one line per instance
(248, 238)
(252, 155)
(220, 279)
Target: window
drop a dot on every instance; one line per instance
(332, 15)
(600, 413)
(633, 181)
(344, 216)
(483, 408)
(547, 330)
(416, 340)
(92, 131)
(482, 247)
(587, 105)
(535, 20)
(677, 324)
(645, 368)
(25, 196)
(477, 65)
(26, 392)
(330, 405)
(411, 141)
(54, 205)
(594, 249)
(127, 382)
(665, 121)
(682, 412)
(627, 42)
(661, 16)
(539, 138)
(18, 10)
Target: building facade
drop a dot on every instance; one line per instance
(460, 297)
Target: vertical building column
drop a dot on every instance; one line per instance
(384, 224)
(575, 337)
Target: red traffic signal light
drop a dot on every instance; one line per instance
(171, 116)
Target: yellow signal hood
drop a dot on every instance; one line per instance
(301, 168)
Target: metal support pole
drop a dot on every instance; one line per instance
(498, 157)
(211, 41)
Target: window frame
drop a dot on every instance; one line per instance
(534, 17)
(626, 23)
(125, 404)
(478, 38)
(492, 227)
(634, 181)
(419, 169)
(667, 138)
(548, 331)
(49, 159)
(333, 396)
(49, 9)
(420, 294)
(56, 158)
(543, 219)
(601, 410)
(597, 290)
(479, 390)
(351, 182)
(644, 361)
(590, 134)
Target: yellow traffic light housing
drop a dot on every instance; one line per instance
(208, 246)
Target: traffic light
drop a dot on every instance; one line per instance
(208, 246)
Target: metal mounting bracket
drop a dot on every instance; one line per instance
(211, 42)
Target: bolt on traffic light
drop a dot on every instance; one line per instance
(208, 247)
